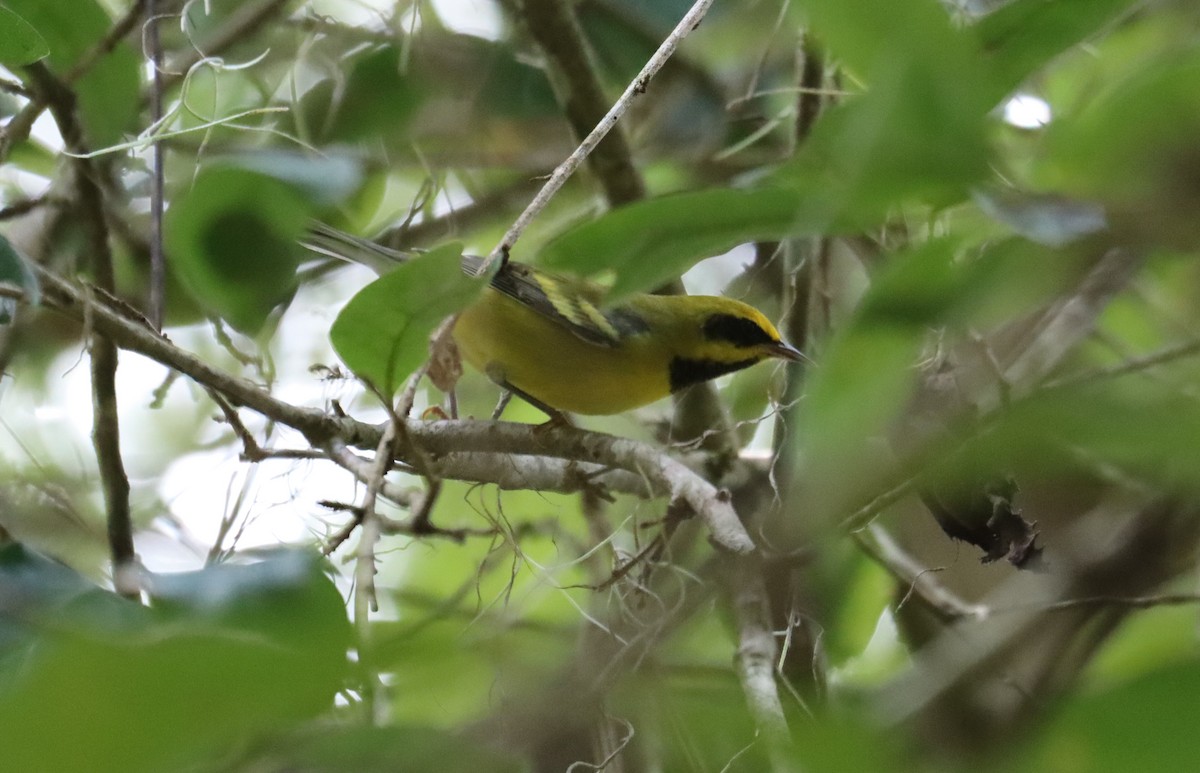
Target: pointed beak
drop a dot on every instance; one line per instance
(786, 351)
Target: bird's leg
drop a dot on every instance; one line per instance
(505, 398)
(497, 376)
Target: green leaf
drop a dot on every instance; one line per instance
(865, 378)
(918, 130)
(382, 334)
(1023, 35)
(873, 36)
(377, 98)
(20, 43)
(232, 239)
(109, 96)
(650, 242)
(1134, 148)
(917, 133)
(15, 270)
(381, 749)
(237, 650)
(325, 180)
(1144, 724)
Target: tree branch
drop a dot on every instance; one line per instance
(436, 438)
(106, 434)
(564, 170)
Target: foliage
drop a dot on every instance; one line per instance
(1000, 318)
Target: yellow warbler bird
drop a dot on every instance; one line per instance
(549, 339)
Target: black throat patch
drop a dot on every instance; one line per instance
(684, 372)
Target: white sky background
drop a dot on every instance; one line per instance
(52, 428)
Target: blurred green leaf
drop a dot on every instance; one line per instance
(325, 180)
(1134, 149)
(382, 334)
(1146, 430)
(166, 688)
(20, 43)
(378, 98)
(35, 587)
(1141, 127)
(1144, 724)
(1023, 35)
(384, 750)
(14, 270)
(848, 742)
(703, 709)
(232, 239)
(873, 36)
(286, 591)
(867, 374)
(109, 95)
(1148, 641)
(33, 156)
(864, 596)
(918, 130)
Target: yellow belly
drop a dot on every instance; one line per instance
(507, 341)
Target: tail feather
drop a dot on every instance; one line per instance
(331, 242)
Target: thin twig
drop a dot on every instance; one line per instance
(158, 268)
(365, 600)
(1129, 366)
(885, 551)
(23, 206)
(556, 29)
(243, 23)
(564, 170)
(106, 434)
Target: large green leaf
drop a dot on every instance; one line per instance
(382, 334)
(232, 240)
(20, 43)
(650, 242)
(378, 98)
(106, 685)
(1144, 724)
(109, 95)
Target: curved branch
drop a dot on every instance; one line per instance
(438, 439)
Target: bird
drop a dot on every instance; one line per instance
(551, 340)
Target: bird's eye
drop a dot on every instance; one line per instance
(739, 331)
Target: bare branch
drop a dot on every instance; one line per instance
(756, 648)
(564, 170)
(106, 434)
